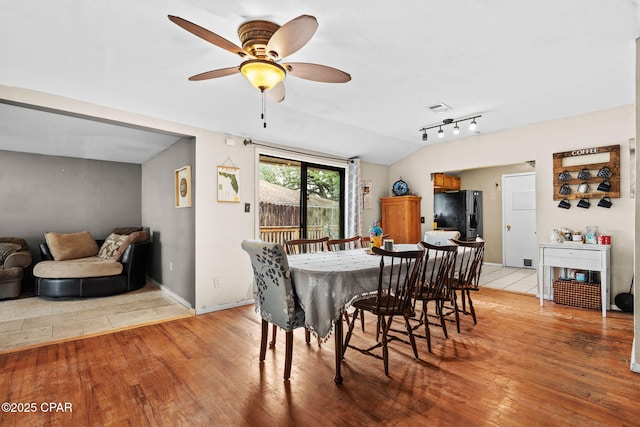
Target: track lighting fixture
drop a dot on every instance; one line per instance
(456, 129)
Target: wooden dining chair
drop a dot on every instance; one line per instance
(344, 244)
(275, 298)
(396, 281)
(304, 246)
(467, 277)
(434, 285)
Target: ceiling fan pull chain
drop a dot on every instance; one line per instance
(264, 109)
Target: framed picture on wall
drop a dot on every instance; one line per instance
(183, 187)
(228, 184)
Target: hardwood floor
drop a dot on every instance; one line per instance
(522, 364)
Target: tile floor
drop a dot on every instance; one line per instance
(29, 322)
(520, 280)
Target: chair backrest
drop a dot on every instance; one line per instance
(344, 244)
(397, 279)
(436, 274)
(275, 298)
(470, 259)
(305, 246)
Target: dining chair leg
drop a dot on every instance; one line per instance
(263, 340)
(473, 311)
(440, 312)
(288, 354)
(385, 350)
(362, 320)
(411, 337)
(427, 332)
(273, 337)
(307, 335)
(455, 311)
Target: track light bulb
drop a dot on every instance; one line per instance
(440, 133)
(456, 129)
(424, 135)
(473, 125)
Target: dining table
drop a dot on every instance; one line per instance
(326, 283)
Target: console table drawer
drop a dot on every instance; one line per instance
(573, 258)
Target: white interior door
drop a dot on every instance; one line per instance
(519, 243)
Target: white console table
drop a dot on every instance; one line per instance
(577, 256)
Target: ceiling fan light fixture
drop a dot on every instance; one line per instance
(262, 74)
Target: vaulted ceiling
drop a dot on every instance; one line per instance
(514, 63)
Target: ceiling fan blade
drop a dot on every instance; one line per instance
(214, 74)
(209, 36)
(292, 36)
(276, 93)
(316, 72)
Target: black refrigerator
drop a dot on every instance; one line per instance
(459, 210)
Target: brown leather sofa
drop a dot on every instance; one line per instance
(13, 263)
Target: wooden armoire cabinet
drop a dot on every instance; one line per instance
(401, 218)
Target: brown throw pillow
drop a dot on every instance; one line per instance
(112, 245)
(135, 237)
(126, 230)
(71, 246)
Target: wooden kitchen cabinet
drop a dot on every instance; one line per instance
(444, 182)
(401, 218)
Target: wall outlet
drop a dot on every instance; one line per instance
(247, 207)
(421, 220)
(216, 282)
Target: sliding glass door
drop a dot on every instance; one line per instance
(300, 200)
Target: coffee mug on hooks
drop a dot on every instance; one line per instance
(605, 202)
(564, 204)
(604, 186)
(584, 203)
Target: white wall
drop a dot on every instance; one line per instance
(378, 175)
(538, 142)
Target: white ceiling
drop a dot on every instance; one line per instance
(515, 63)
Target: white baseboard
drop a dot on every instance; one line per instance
(635, 367)
(205, 310)
(202, 310)
(171, 294)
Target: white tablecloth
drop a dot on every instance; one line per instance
(326, 282)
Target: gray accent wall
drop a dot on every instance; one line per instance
(42, 193)
(173, 229)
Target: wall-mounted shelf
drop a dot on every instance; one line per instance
(559, 166)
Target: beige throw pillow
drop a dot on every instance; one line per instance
(71, 246)
(112, 245)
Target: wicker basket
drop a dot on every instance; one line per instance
(577, 294)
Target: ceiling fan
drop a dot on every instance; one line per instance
(264, 45)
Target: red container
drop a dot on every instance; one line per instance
(604, 240)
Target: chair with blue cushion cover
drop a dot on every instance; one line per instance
(275, 297)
